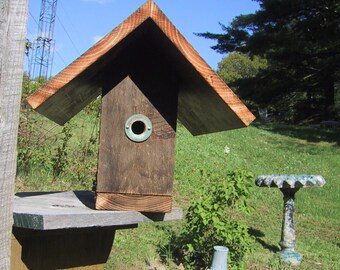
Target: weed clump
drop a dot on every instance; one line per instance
(212, 219)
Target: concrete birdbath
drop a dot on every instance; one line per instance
(289, 185)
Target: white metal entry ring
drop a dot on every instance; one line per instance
(138, 128)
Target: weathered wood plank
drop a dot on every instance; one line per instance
(52, 211)
(127, 167)
(134, 202)
(13, 15)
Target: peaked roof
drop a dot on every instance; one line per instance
(205, 104)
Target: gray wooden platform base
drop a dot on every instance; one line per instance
(63, 231)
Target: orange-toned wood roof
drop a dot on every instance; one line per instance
(205, 104)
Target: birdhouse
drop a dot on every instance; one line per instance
(149, 77)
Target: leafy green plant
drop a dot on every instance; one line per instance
(46, 148)
(211, 220)
(59, 160)
(32, 134)
(84, 161)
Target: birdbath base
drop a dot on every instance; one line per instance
(288, 256)
(289, 185)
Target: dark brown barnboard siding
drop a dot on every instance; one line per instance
(135, 168)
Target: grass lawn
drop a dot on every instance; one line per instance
(261, 149)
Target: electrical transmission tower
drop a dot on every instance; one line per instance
(43, 47)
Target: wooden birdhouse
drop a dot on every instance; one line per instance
(148, 76)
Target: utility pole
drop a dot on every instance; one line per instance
(13, 16)
(43, 47)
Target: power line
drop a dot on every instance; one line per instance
(69, 37)
(30, 32)
(65, 12)
(44, 44)
(61, 58)
(33, 18)
(56, 65)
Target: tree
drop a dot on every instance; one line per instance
(301, 41)
(237, 66)
(13, 15)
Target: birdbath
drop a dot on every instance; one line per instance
(289, 185)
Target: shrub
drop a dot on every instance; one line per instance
(60, 159)
(67, 153)
(212, 220)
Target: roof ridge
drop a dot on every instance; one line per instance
(88, 88)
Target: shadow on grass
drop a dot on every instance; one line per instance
(258, 234)
(310, 134)
(171, 251)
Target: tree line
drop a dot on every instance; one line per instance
(286, 57)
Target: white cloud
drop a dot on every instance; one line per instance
(96, 38)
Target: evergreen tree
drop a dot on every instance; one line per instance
(301, 41)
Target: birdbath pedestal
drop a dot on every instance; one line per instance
(289, 185)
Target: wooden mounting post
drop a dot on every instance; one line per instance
(13, 15)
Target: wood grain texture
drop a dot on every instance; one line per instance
(206, 103)
(134, 202)
(125, 166)
(61, 230)
(75, 210)
(145, 168)
(13, 15)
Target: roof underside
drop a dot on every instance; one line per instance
(205, 103)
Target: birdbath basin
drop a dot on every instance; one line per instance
(289, 185)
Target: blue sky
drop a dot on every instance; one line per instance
(80, 23)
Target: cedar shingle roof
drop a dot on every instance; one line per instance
(205, 103)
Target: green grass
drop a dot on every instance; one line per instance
(43, 137)
(261, 149)
(268, 149)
